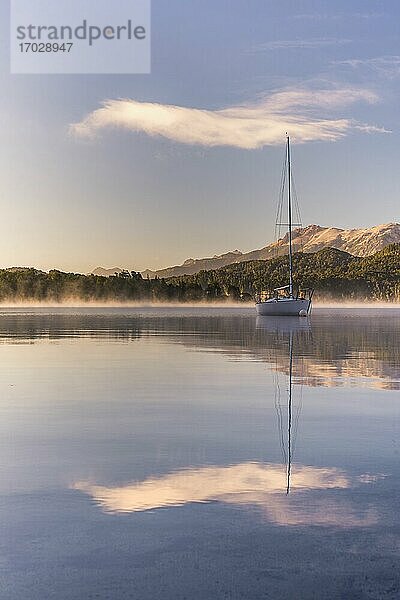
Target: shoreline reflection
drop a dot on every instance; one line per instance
(361, 351)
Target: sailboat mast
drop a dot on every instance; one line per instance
(290, 217)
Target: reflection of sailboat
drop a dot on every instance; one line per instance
(286, 441)
(290, 328)
(286, 301)
(283, 326)
(290, 409)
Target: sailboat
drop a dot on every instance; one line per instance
(286, 300)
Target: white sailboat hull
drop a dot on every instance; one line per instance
(290, 307)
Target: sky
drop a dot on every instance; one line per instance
(145, 171)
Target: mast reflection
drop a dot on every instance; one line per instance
(293, 331)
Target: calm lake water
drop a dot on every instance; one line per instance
(144, 454)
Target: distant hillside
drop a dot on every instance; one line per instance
(194, 265)
(358, 242)
(333, 274)
(106, 272)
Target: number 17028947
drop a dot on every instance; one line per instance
(45, 47)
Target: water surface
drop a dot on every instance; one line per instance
(144, 454)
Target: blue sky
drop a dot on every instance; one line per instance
(117, 196)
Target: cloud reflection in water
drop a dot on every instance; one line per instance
(259, 485)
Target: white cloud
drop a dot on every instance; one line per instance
(387, 66)
(301, 112)
(347, 16)
(301, 44)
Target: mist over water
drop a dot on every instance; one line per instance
(79, 303)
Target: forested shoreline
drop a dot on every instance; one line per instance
(332, 273)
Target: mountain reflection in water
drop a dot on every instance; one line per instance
(346, 348)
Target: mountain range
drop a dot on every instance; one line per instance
(358, 242)
(106, 272)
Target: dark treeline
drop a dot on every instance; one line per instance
(333, 274)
